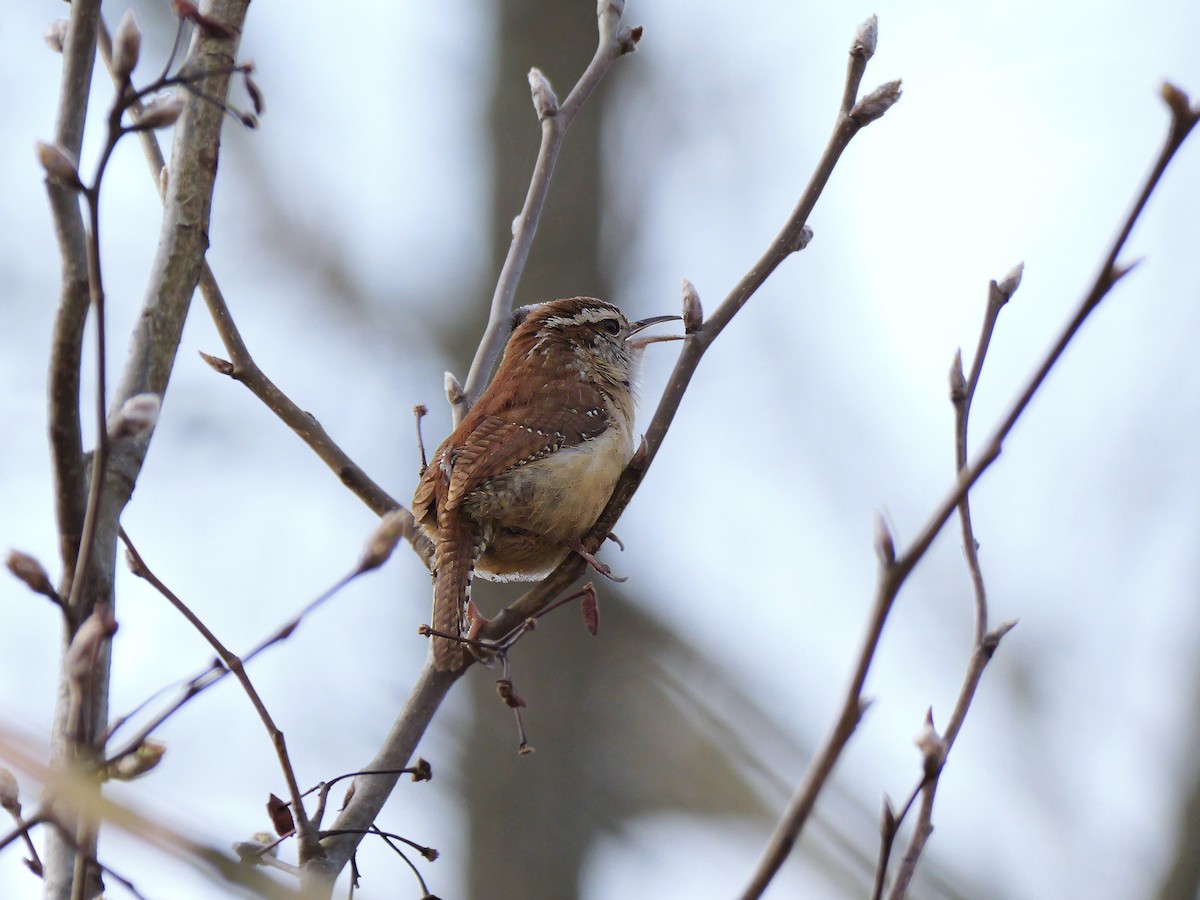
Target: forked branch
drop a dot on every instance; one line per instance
(432, 685)
(615, 40)
(935, 748)
(894, 571)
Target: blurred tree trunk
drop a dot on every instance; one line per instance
(1182, 878)
(559, 38)
(523, 841)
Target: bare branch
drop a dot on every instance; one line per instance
(66, 348)
(794, 236)
(304, 831)
(433, 685)
(372, 791)
(378, 546)
(615, 40)
(894, 576)
(152, 351)
(962, 392)
(244, 369)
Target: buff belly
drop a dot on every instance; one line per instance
(532, 514)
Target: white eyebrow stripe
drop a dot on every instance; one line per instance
(588, 314)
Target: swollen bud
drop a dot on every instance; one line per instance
(931, 745)
(133, 765)
(56, 35)
(1008, 285)
(958, 381)
(136, 416)
(80, 660)
(160, 112)
(693, 312)
(58, 164)
(608, 14)
(865, 39)
(887, 823)
(10, 793)
(544, 100)
(126, 46)
(454, 390)
(383, 540)
(876, 103)
(30, 571)
(251, 852)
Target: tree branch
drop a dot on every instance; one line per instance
(372, 791)
(183, 240)
(615, 40)
(66, 348)
(894, 571)
(792, 237)
(234, 664)
(242, 367)
(432, 685)
(936, 750)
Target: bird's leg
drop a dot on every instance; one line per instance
(475, 624)
(591, 560)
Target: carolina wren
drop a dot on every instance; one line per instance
(531, 466)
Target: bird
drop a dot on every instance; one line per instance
(533, 463)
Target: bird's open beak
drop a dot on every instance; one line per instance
(642, 324)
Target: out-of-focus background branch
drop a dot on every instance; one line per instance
(661, 743)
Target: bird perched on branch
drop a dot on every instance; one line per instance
(533, 463)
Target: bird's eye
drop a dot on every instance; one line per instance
(612, 326)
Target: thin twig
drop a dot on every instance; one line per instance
(24, 826)
(893, 573)
(372, 791)
(99, 461)
(66, 347)
(792, 237)
(244, 369)
(304, 831)
(390, 840)
(154, 832)
(432, 685)
(215, 673)
(378, 549)
(962, 393)
(615, 40)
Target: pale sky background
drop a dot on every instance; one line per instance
(1022, 134)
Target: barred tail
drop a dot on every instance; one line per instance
(458, 550)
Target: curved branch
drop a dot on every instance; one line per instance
(615, 40)
(894, 571)
(66, 348)
(792, 237)
(181, 247)
(234, 665)
(242, 367)
(962, 393)
(372, 791)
